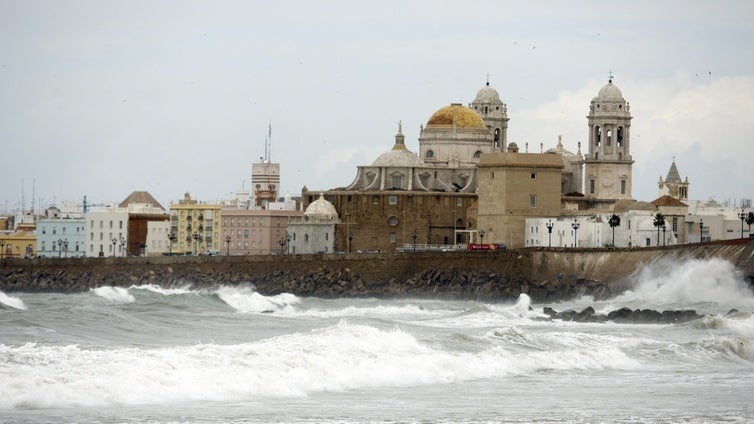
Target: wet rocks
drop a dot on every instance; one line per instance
(625, 315)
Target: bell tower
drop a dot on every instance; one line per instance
(494, 113)
(608, 162)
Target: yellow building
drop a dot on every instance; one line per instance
(195, 226)
(512, 187)
(18, 244)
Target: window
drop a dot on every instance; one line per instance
(393, 200)
(533, 175)
(392, 237)
(430, 154)
(675, 224)
(459, 201)
(591, 186)
(396, 181)
(532, 201)
(622, 186)
(477, 154)
(393, 221)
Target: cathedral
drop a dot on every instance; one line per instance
(432, 197)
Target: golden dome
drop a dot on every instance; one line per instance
(462, 116)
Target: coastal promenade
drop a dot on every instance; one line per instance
(542, 273)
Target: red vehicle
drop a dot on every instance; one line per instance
(493, 246)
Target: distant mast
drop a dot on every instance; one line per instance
(265, 176)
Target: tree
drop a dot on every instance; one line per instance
(659, 221)
(749, 221)
(613, 221)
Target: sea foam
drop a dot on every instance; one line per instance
(246, 299)
(12, 302)
(332, 359)
(114, 294)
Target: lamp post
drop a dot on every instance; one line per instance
(664, 227)
(65, 248)
(115, 241)
(742, 217)
(227, 242)
(171, 239)
(413, 236)
(454, 228)
(2, 249)
(575, 225)
(123, 245)
(701, 230)
(481, 236)
(196, 243)
(350, 237)
(549, 226)
(60, 248)
(281, 243)
(288, 242)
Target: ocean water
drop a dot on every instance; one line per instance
(152, 354)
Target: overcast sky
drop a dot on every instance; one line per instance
(102, 98)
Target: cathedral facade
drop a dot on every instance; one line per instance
(405, 198)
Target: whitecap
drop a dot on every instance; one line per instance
(246, 299)
(114, 294)
(12, 302)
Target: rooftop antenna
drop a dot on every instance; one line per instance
(268, 144)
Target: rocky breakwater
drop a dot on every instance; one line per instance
(626, 315)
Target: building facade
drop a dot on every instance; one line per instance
(61, 237)
(107, 232)
(196, 226)
(514, 186)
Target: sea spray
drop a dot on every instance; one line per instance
(114, 294)
(12, 302)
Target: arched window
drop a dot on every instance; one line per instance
(609, 137)
(477, 154)
(430, 154)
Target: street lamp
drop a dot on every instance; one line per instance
(454, 227)
(288, 242)
(115, 241)
(481, 236)
(65, 247)
(742, 217)
(575, 225)
(549, 226)
(701, 230)
(123, 245)
(227, 242)
(60, 248)
(413, 236)
(2, 249)
(350, 237)
(281, 243)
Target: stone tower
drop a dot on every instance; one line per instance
(673, 185)
(494, 113)
(608, 162)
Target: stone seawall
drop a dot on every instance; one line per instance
(543, 274)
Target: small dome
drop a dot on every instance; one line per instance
(610, 92)
(321, 208)
(512, 147)
(560, 150)
(487, 95)
(461, 116)
(399, 158)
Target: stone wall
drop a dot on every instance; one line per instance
(543, 274)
